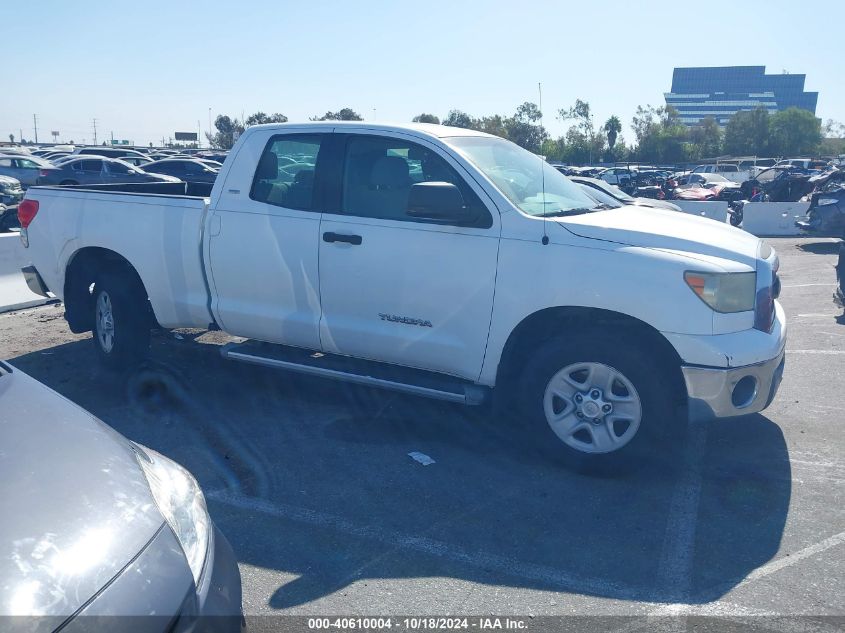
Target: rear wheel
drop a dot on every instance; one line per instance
(121, 323)
(597, 404)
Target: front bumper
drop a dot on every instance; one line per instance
(156, 592)
(734, 374)
(216, 606)
(723, 393)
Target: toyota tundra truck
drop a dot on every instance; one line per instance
(435, 261)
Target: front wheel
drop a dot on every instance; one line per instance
(598, 403)
(121, 327)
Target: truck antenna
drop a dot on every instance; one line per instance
(542, 166)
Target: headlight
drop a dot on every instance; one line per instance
(180, 501)
(724, 292)
(825, 201)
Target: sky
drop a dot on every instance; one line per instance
(147, 69)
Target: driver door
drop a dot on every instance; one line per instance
(398, 289)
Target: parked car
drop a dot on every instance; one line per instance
(689, 187)
(186, 169)
(600, 197)
(220, 157)
(623, 198)
(96, 525)
(436, 261)
(93, 170)
(25, 169)
(618, 175)
(784, 183)
(108, 151)
(137, 161)
(826, 213)
(807, 164)
(715, 169)
(210, 163)
(52, 156)
(11, 191)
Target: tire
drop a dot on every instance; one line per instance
(68, 182)
(567, 381)
(121, 332)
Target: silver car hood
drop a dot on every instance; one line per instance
(75, 504)
(8, 180)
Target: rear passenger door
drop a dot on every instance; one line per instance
(394, 288)
(263, 241)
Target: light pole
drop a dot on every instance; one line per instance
(209, 122)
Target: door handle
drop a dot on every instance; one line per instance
(329, 236)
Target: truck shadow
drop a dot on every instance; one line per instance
(310, 481)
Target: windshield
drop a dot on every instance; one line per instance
(601, 197)
(525, 179)
(614, 191)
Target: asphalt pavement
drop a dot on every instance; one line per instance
(312, 483)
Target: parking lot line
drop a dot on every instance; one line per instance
(825, 352)
(791, 559)
(481, 560)
(676, 558)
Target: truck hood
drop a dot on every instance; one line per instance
(665, 230)
(76, 506)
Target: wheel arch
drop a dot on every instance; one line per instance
(81, 273)
(574, 320)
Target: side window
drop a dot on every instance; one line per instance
(285, 173)
(117, 168)
(91, 165)
(5, 162)
(379, 172)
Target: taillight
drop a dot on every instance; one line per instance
(27, 210)
(44, 172)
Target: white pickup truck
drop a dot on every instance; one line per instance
(432, 260)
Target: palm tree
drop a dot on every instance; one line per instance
(612, 127)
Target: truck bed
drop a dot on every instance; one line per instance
(156, 227)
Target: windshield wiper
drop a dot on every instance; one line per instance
(579, 211)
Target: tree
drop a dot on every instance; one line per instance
(583, 117)
(11, 138)
(458, 118)
(344, 114)
(524, 129)
(705, 139)
(259, 117)
(425, 118)
(833, 129)
(494, 124)
(612, 127)
(227, 131)
(794, 131)
(661, 137)
(747, 133)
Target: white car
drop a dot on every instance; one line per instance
(437, 261)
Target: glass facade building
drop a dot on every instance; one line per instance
(721, 92)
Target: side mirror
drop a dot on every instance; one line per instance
(439, 202)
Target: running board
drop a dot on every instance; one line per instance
(371, 374)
